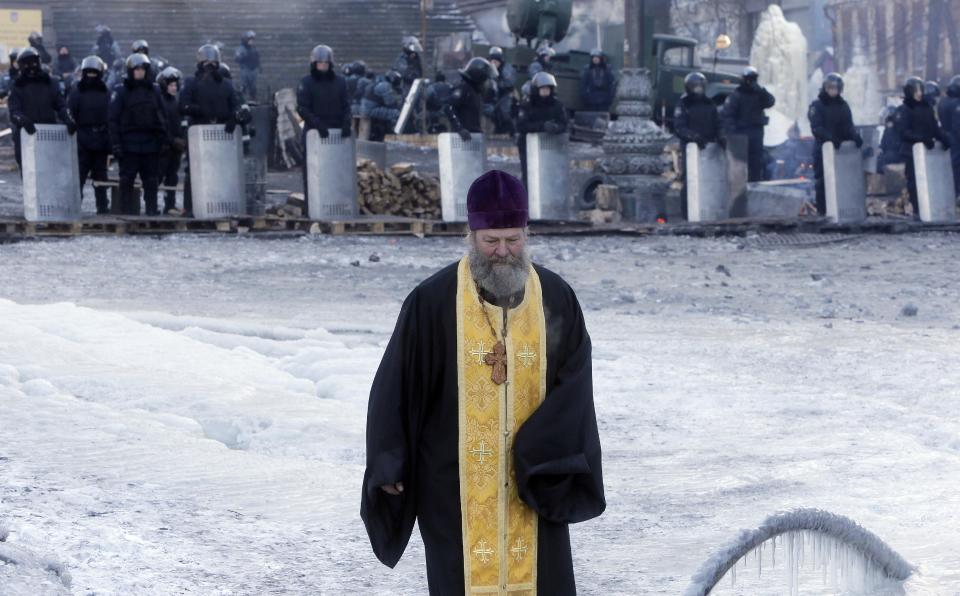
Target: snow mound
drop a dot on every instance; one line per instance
(841, 548)
(23, 572)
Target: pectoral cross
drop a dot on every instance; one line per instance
(498, 360)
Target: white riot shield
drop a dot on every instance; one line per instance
(461, 162)
(217, 176)
(51, 174)
(548, 176)
(708, 191)
(331, 176)
(934, 184)
(409, 106)
(844, 183)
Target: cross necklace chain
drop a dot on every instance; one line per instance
(498, 357)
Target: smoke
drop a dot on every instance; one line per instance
(609, 12)
(583, 34)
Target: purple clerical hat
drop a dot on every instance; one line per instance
(496, 200)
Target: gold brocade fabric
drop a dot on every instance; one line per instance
(499, 531)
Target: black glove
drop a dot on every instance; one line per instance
(323, 131)
(29, 127)
(552, 128)
(117, 151)
(230, 126)
(858, 141)
(836, 143)
(244, 115)
(945, 143)
(464, 134)
(345, 132)
(71, 128)
(929, 144)
(722, 142)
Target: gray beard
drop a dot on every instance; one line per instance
(502, 278)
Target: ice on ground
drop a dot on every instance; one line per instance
(187, 414)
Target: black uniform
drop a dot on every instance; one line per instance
(743, 114)
(138, 132)
(323, 103)
(947, 110)
(172, 155)
(35, 99)
(916, 122)
(465, 108)
(695, 120)
(207, 98)
(538, 114)
(597, 86)
(89, 105)
(831, 122)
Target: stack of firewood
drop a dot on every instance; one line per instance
(400, 190)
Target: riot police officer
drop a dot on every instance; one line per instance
(695, 120)
(248, 57)
(138, 132)
(743, 113)
(439, 92)
(141, 46)
(322, 99)
(35, 99)
(408, 63)
(465, 108)
(105, 47)
(948, 111)
(382, 102)
(89, 104)
(543, 61)
(543, 112)
(169, 81)
(36, 42)
(597, 83)
(916, 122)
(354, 73)
(831, 122)
(931, 93)
(6, 83)
(500, 103)
(208, 98)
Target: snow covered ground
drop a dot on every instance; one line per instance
(186, 415)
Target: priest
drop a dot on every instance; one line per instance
(481, 425)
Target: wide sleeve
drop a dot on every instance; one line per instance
(557, 450)
(392, 435)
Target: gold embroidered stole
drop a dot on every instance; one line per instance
(499, 530)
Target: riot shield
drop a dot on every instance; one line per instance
(708, 192)
(934, 184)
(548, 175)
(331, 176)
(461, 162)
(51, 178)
(409, 107)
(844, 183)
(217, 173)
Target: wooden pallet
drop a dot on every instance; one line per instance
(373, 225)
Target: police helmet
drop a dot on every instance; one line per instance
(321, 53)
(93, 63)
(496, 53)
(28, 57)
(694, 81)
(931, 89)
(135, 61)
(169, 75)
(393, 77)
(546, 51)
(411, 45)
(597, 53)
(248, 35)
(479, 70)
(35, 38)
(544, 79)
(208, 53)
(140, 46)
(911, 86)
(225, 71)
(750, 73)
(833, 80)
(953, 89)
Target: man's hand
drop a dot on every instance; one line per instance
(323, 132)
(393, 489)
(929, 144)
(464, 134)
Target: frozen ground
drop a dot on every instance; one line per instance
(186, 415)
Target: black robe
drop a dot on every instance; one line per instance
(412, 437)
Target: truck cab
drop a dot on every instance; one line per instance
(672, 59)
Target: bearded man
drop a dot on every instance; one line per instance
(481, 425)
